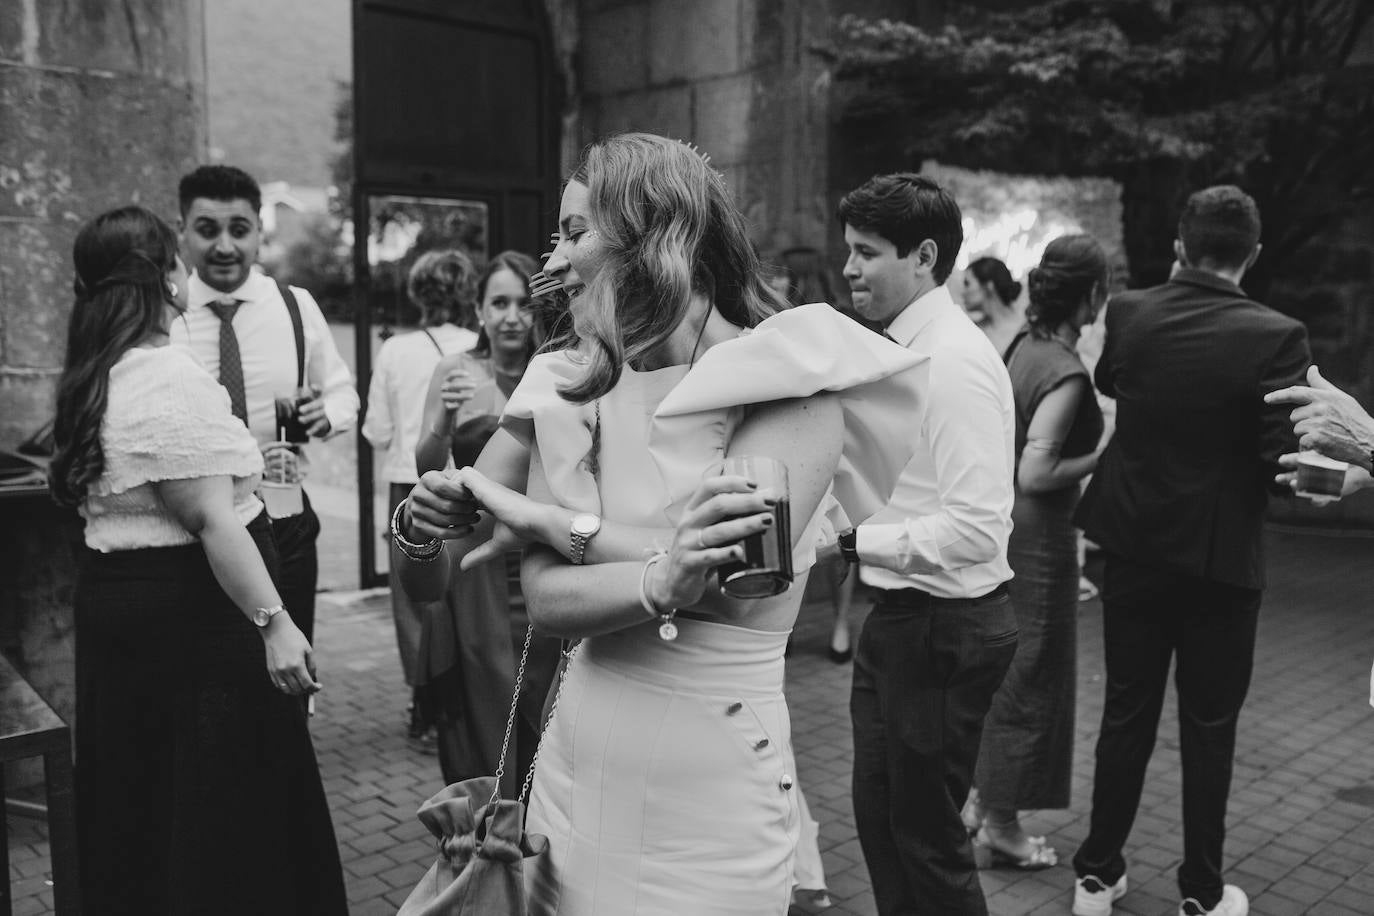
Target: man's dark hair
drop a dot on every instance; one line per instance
(1220, 226)
(906, 209)
(218, 182)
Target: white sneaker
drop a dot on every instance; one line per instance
(1094, 897)
(1233, 903)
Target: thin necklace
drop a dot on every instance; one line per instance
(700, 333)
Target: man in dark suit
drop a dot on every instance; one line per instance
(1177, 505)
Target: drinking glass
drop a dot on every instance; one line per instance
(767, 566)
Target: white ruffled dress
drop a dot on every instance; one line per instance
(666, 781)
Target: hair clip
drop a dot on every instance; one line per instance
(541, 284)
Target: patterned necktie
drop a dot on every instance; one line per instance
(230, 362)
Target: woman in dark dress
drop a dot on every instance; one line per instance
(472, 638)
(197, 790)
(1027, 751)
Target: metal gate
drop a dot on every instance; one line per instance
(455, 126)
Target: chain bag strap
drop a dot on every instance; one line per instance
(568, 655)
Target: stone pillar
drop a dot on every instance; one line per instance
(101, 104)
(735, 77)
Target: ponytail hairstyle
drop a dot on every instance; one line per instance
(121, 259)
(1070, 268)
(670, 230)
(991, 271)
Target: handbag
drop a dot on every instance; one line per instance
(484, 852)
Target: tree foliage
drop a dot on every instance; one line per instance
(1262, 93)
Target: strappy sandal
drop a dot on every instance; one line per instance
(988, 855)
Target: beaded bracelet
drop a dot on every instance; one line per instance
(667, 630)
(427, 552)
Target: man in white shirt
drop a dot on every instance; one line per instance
(942, 632)
(243, 330)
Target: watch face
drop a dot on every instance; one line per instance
(586, 524)
(261, 617)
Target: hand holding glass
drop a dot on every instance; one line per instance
(281, 481)
(767, 566)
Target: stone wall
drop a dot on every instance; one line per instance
(734, 77)
(101, 104)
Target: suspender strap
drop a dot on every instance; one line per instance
(293, 309)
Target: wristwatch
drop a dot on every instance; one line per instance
(849, 546)
(263, 616)
(584, 527)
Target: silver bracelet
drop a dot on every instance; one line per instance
(667, 630)
(420, 553)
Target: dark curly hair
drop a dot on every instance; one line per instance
(122, 259)
(992, 271)
(1069, 269)
(441, 285)
(218, 182)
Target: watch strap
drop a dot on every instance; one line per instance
(849, 546)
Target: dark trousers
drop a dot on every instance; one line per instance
(1149, 617)
(300, 566)
(925, 671)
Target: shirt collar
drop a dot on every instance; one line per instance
(919, 313)
(200, 294)
(1191, 276)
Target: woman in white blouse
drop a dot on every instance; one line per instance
(196, 784)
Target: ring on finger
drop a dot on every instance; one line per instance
(701, 540)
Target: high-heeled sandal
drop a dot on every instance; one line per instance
(988, 855)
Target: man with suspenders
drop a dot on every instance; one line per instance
(262, 340)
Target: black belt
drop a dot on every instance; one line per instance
(916, 598)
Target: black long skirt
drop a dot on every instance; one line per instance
(197, 790)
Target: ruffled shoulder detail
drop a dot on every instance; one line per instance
(168, 419)
(560, 430)
(804, 351)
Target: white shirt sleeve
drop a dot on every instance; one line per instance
(967, 442)
(325, 368)
(379, 427)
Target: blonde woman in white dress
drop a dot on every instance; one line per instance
(666, 779)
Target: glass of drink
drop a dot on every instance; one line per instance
(288, 404)
(1320, 477)
(767, 566)
(281, 482)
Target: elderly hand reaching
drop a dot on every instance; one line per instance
(1328, 420)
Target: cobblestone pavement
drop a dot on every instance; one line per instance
(1301, 836)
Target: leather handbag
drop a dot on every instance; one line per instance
(484, 851)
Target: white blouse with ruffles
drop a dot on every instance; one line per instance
(166, 419)
(793, 354)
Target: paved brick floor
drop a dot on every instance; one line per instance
(1301, 836)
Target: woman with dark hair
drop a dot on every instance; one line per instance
(196, 783)
(665, 778)
(1026, 757)
(990, 296)
(440, 285)
(471, 637)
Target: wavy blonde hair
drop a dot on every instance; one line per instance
(670, 230)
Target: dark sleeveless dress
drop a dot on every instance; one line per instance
(1026, 758)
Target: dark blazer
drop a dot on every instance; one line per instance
(1184, 482)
